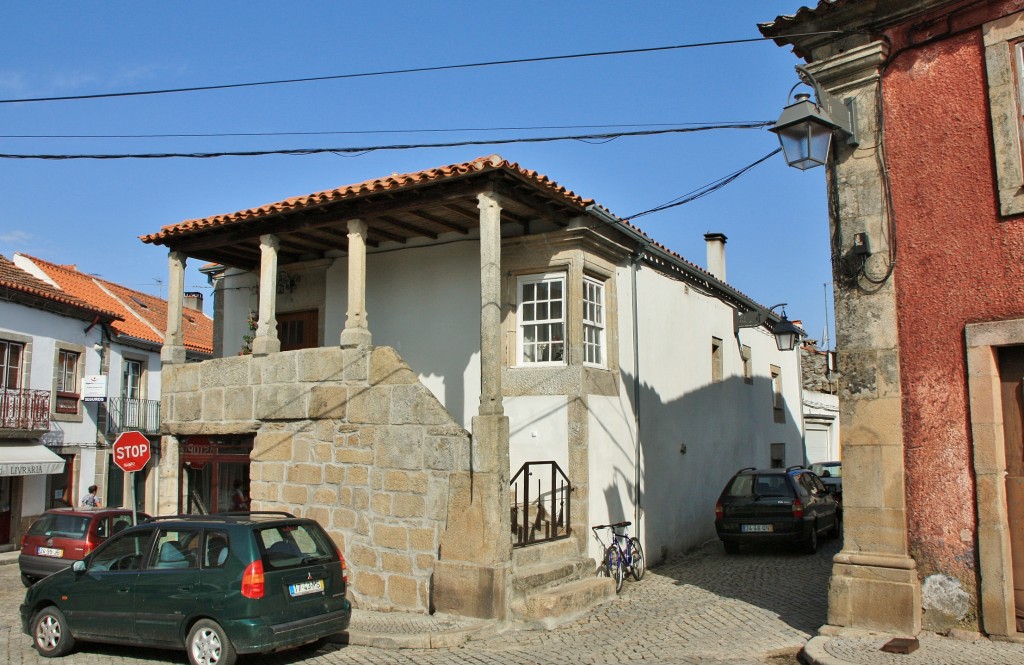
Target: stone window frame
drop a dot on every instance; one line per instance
(79, 415)
(594, 318)
(1003, 41)
(26, 356)
(143, 375)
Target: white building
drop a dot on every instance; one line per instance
(648, 380)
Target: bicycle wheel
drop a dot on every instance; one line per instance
(614, 567)
(637, 564)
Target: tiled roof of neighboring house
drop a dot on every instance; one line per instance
(142, 316)
(15, 279)
(390, 183)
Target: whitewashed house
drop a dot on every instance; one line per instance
(391, 354)
(87, 351)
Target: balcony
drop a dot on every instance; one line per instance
(141, 415)
(25, 409)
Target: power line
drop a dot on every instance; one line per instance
(408, 146)
(410, 70)
(353, 131)
(704, 190)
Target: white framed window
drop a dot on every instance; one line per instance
(131, 379)
(11, 354)
(67, 382)
(541, 317)
(593, 322)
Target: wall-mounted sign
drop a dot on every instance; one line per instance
(94, 388)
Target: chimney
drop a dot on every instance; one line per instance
(716, 254)
(193, 300)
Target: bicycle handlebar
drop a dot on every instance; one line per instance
(617, 525)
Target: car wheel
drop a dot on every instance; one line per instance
(208, 644)
(811, 544)
(51, 636)
(731, 547)
(28, 580)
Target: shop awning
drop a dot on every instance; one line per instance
(28, 459)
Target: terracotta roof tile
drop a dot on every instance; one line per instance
(14, 278)
(391, 183)
(141, 315)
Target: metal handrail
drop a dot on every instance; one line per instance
(547, 516)
(128, 414)
(25, 409)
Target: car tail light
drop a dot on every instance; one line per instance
(344, 566)
(252, 580)
(798, 508)
(719, 513)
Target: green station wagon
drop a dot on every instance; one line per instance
(215, 585)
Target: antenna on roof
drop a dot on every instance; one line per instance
(160, 287)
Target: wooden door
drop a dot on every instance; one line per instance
(1011, 376)
(297, 330)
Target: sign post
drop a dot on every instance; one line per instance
(132, 453)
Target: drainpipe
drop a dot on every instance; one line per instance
(636, 389)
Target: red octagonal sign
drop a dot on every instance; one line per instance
(131, 451)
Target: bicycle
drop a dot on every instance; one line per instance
(624, 553)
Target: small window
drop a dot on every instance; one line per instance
(216, 550)
(11, 354)
(778, 452)
(67, 382)
(131, 379)
(176, 549)
(748, 364)
(294, 544)
(541, 315)
(593, 322)
(717, 367)
(778, 403)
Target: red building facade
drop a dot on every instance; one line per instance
(930, 325)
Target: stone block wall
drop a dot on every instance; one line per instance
(348, 437)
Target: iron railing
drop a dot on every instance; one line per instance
(543, 515)
(25, 409)
(142, 415)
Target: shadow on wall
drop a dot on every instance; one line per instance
(690, 447)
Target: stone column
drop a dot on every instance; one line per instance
(173, 350)
(266, 340)
(874, 583)
(471, 576)
(490, 305)
(357, 330)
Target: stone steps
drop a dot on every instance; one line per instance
(552, 584)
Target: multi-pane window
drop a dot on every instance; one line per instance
(593, 322)
(67, 382)
(542, 320)
(11, 354)
(131, 379)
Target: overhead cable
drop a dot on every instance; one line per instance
(408, 146)
(410, 70)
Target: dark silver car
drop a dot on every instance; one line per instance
(775, 505)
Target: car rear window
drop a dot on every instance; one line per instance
(60, 526)
(289, 545)
(750, 485)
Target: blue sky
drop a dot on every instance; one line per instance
(90, 212)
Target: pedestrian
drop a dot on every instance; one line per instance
(91, 499)
(239, 501)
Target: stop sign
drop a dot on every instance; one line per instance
(131, 451)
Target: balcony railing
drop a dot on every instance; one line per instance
(541, 504)
(142, 415)
(25, 409)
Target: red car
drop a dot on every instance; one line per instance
(61, 536)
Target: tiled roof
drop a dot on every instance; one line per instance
(142, 315)
(391, 183)
(14, 278)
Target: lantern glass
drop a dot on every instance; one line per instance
(805, 144)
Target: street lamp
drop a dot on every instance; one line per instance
(805, 128)
(787, 334)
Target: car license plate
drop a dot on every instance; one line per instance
(756, 528)
(50, 551)
(303, 588)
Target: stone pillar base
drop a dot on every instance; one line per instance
(172, 355)
(355, 337)
(875, 592)
(263, 346)
(470, 589)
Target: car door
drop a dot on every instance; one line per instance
(101, 598)
(167, 590)
(819, 504)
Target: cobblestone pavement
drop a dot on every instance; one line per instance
(705, 608)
